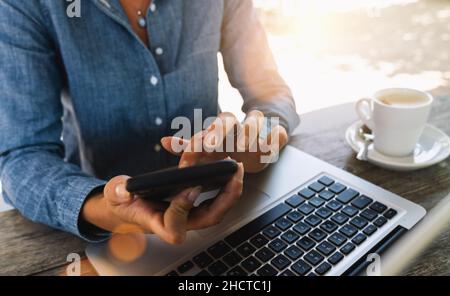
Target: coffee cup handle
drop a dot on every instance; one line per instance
(364, 109)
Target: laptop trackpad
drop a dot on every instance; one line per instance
(251, 200)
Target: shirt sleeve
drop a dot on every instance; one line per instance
(35, 178)
(251, 67)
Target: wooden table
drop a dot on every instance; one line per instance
(27, 248)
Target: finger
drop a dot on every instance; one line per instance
(272, 145)
(214, 212)
(115, 191)
(250, 130)
(172, 226)
(174, 145)
(225, 124)
(193, 152)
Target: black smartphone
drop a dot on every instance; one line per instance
(159, 185)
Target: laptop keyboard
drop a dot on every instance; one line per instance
(307, 234)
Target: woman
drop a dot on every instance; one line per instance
(117, 73)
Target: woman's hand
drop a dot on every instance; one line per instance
(117, 211)
(246, 145)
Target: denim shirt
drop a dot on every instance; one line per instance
(83, 99)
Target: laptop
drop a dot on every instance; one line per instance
(301, 216)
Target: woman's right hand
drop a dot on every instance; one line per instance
(117, 211)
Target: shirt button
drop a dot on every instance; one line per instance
(159, 51)
(158, 121)
(153, 7)
(157, 148)
(154, 80)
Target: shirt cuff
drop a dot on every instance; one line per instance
(78, 190)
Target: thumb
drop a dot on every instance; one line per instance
(176, 215)
(174, 145)
(115, 191)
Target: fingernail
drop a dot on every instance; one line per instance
(122, 193)
(194, 194)
(184, 164)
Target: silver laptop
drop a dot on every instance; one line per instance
(302, 216)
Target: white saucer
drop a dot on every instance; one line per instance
(433, 147)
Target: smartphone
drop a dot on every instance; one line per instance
(159, 185)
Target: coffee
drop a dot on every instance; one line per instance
(397, 117)
(403, 100)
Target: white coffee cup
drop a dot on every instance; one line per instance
(397, 117)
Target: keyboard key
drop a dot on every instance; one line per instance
(334, 205)
(380, 221)
(337, 188)
(313, 258)
(185, 267)
(323, 268)
(316, 186)
(347, 248)
(378, 207)
(203, 273)
(219, 249)
(295, 216)
(237, 271)
(316, 202)
(329, 226)
(295, 200)
(231, 259)
(359, 222)
(202, 260)
(293, 252)
(264, 254)
(350, 211)
(249, 230)
(335, 258)
(326, 248)
(358, 239)
(337, 239)
(306, 193)
(267, 270)
(390, 213)
(313, 220)
(217, 268)
(301, 267)
(251, 264)
(246, 249)
(277, 245)
(259, 240)
(369, 214)
(339, 218)
(287, 272)
(283, 223)
(347, 196)
(362, 202)
(306, 243)
(369, 230)
(317, 234)
(327, 181)
(172, 273)
(324, 213)
(302, 228)
(280, 262)
(290, 237)
(348, 230)
(326, 195)
(271, 232)
(306, 209)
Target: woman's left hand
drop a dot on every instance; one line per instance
(226, 137)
